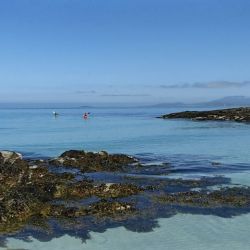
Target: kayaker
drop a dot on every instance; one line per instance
(85, 116)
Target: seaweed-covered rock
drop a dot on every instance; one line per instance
(28, 188)
(111, 190)
(98, 209)
(234, 114)
(13, 170)
(9, 157)
(43, 191)
(104, 208)
(85, 189)
(93, 162)
(232, 197)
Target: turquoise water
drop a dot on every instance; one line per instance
(189, 146)
(189, 232)
(124, 130)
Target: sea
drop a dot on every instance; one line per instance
(193, 148)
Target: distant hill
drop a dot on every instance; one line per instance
(228, 101)
(170, 105)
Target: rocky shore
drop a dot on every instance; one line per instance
(234, 114)
(58, 196)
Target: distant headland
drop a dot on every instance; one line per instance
(234, 114)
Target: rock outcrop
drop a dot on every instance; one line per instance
(35, 193)
(234, 114)
(29, 190)
(93, 162)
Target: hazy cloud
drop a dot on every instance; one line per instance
(124, 95)
(208, 85)
(85, 92)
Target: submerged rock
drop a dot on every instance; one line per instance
(234, 114)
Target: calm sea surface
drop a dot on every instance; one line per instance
(189, 146)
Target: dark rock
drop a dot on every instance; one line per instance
(234, 114)
(85, 189)
(29, 190)
(233, 197)
(93, 162)
(104, 208)
(9, 157)
(31, 193)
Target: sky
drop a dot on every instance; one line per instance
(144, 51)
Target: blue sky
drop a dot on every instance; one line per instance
(123, 50)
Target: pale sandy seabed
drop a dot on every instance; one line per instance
(177, 233)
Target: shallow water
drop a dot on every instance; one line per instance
(191, 232)
(191, 148)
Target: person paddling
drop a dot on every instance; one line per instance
(55, 113)
(85, 116)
